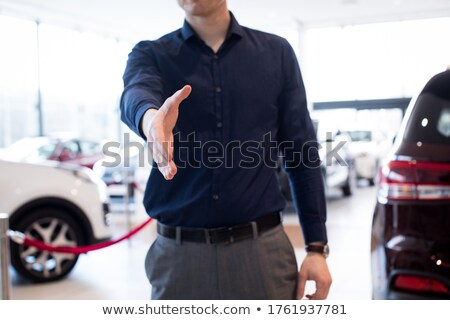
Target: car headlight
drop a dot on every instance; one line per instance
(87, 175)
(103, 192)
(82, 173)
(90, 176)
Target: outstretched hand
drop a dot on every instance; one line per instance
(158, 125)
(314, 267)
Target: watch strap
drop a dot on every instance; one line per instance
(318, 248)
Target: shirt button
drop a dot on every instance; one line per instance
(216, 197)
(216, 57)
(219, 124)
(218, 89)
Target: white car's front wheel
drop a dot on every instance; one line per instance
(53, 226)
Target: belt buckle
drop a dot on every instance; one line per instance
(227, 235)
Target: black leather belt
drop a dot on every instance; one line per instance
(221, 235)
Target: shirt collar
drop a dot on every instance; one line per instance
(235, 28)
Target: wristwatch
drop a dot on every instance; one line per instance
(323, 249)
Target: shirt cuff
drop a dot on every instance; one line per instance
(139, 115)
(315, 232)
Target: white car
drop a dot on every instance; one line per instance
(59, 204)
(337, 168)
(367, 148)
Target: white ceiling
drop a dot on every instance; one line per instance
(145, 19)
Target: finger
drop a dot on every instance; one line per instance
(168, 171)
(168, 146)
(322, 288)
(301, 286)
(165, 161)
(157, 149)
(162, 150)
(158, 156)
(182, 94)
(175, 99)
(171, 171)
(163, 156)
(163, 171)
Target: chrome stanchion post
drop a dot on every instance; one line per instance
(4, 258)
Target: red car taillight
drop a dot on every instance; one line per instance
(414, 180)
(418, 283)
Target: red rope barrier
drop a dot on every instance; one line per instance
(83, 249)
(22, 239)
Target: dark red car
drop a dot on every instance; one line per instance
(63, 149)
(411, 224)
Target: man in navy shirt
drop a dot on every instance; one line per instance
(214, 190)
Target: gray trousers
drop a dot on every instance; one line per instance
(260, 268)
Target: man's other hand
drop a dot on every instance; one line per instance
(314, 267)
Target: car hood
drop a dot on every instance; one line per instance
(8, 156)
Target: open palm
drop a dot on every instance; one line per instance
(160, 132)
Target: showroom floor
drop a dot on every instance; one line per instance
(117, 272)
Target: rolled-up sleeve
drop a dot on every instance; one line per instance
(299, 147)
(143, 87)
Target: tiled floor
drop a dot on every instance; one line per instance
(117, 272)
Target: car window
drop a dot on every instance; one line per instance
(429, 121)
(46, 150)
(360, 135)
(71, 147)
(89, 147)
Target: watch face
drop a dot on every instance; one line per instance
(326, 251)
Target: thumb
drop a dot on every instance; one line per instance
(179, 96)
(301, 286)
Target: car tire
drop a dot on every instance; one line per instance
(54, 226)
(347, 189)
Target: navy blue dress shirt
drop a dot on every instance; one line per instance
(247, 106)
